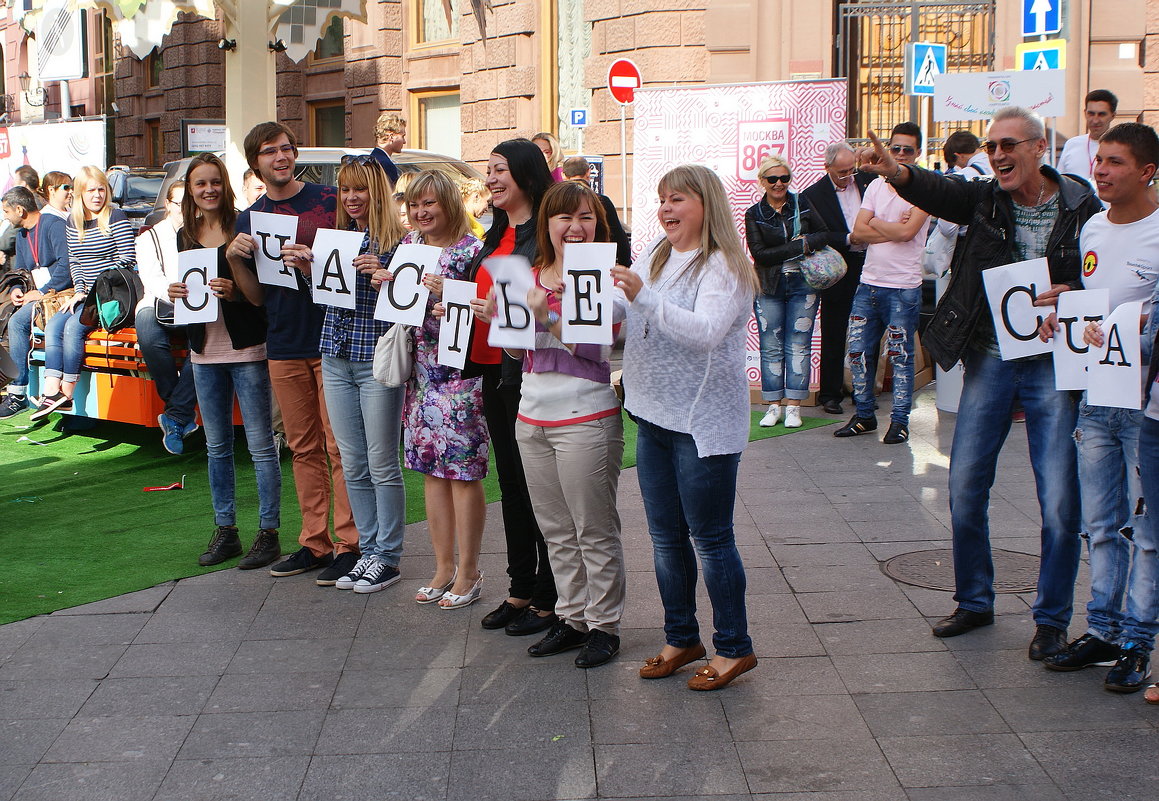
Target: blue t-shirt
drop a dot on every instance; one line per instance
(295, 323)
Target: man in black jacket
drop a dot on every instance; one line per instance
(1028, 211)
(836, 199)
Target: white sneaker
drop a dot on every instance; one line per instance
(793, 417)
(772, 416)
(348, 581)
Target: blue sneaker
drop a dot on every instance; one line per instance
(12, 405)
(190, 427)
(171, 433)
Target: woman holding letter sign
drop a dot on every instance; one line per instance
(445, 435)
(517, 177)
(229, 359)
(365, 415)
(571, 438)
(685, 385)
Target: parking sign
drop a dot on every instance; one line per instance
(578, 117)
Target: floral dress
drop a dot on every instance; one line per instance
(444, 432)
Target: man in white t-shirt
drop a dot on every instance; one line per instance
(1079, 152)
(889, 298)
(1120, 248)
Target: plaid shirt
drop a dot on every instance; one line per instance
(352, 333)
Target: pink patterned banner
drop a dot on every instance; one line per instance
(730, 128)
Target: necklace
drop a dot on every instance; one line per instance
(1041, 190)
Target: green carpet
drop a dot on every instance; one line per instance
(79, 528)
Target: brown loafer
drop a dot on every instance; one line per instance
(659, 668)
(708, 679)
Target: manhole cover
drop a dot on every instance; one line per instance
(934, 570)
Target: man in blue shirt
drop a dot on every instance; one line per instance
(40, 243)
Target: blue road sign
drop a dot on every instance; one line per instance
(926, 62)
(1040, 17)
(578, 117)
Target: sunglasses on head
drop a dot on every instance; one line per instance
(360, 160)
(772, 179)
(897, 150)
(1007, 145)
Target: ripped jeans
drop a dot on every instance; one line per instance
(1120, 532)
(878, 309)
(785, 325)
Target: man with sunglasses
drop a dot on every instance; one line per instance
(1028, 211)
(889, 297)
(836, 199)
(295, 361)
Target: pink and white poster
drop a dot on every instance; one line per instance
(730, 128)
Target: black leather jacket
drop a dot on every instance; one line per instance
(770, 236)
(989, 242)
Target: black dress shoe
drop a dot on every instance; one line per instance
(898, 432)
(599, 648)
(961, 621)
(1047, 641)
(1131, 672)
(501, 615)
(530, 622)
(856, 425)
(562, 637)
(832, 407)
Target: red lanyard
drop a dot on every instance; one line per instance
(34, 245)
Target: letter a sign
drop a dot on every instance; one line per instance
(924, 62)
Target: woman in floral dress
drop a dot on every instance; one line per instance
(445, 433)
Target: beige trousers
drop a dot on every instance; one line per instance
(572, 474)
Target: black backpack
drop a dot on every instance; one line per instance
(112, 302)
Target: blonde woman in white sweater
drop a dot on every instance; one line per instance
(684, 384)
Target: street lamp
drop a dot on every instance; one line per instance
(34, 97)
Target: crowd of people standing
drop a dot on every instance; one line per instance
(548, 414)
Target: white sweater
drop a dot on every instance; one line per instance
(157, 261)
(684, 356)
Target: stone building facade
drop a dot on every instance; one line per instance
(462, 92)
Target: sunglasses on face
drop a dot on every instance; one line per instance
(772, 179)
(1007, 145)
(65, 187)
(898, 150)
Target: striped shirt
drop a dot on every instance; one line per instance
(99, 251)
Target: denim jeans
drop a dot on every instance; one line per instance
(785, 325)
(175, 390)
(990, 388)
(19, 343)
(366, 418)
(1119, 527)
(894, 312)
(64, 345)
(216, 386)
(689, 505)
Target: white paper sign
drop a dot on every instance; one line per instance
(1011, 290)
(588, 294)
(196, 268)
(404, 300)
(979, 95)
(455, 327)
(272, 232)
(1115, 370)
(1075, 310)
(332, 275)
(513, 325)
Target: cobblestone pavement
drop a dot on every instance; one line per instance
(236, 685)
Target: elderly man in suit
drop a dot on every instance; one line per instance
(836, 198)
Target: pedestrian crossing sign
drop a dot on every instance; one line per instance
(925, 61)
(1046, 55)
